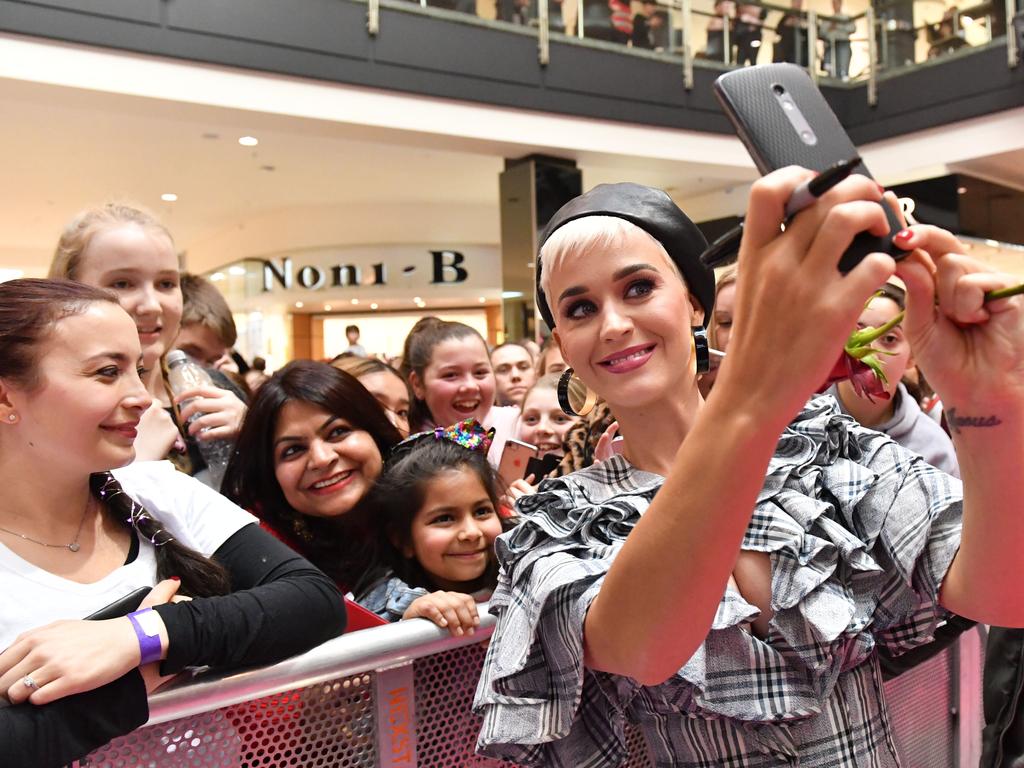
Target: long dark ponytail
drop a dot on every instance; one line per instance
(200, 576)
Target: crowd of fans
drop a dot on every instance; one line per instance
(379, 486)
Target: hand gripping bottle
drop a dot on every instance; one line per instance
(184, 374)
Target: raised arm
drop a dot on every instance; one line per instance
(973, 354)
(661, 594)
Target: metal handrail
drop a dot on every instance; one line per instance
(373, 17)
(687, 8)
(543, 34)
(362, 651)
(872, 59)
(812, 45)
(1012, 50)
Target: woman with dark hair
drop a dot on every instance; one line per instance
(310, 449)
(725, 583)
(82, 527)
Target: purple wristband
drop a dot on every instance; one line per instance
(147, 629)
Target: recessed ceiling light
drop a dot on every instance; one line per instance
(961, 190)
(327, 307)
(169, 197)
(237, 269)
(216, 277)
(417, 299)
(248, 141)
(373, 306)
(299, 305)
(482, 300)
(355, 301)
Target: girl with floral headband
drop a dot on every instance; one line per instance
(437, 505)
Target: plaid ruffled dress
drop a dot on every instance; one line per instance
(860, 534)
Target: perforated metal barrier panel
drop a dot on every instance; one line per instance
(418, 713)
(921, 709)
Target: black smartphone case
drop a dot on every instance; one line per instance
(748, 99)
(122, 606)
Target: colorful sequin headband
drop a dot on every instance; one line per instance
(469, 434)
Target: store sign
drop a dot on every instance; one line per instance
(444, 267)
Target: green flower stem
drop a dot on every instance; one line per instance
(867, 335)
(864, 336)
(1004, 293)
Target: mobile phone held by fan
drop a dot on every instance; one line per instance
(515, 457)
(782, 119)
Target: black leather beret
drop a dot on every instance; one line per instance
(654, 212)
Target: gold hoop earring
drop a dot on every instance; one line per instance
(575, 398)
(700, 348)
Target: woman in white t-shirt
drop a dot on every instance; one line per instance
(449, 369)
(78, 534)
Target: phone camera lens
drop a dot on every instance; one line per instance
(778, 90)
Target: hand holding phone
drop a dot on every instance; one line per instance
(514, 460)
(782, 119)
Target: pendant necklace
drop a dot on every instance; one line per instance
(72, 547)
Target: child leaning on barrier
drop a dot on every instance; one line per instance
(437, 503)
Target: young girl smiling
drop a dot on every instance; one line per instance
(543, 423)
(450, 373)
(437, 507)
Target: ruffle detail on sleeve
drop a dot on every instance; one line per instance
(539, 704)
(850, 567)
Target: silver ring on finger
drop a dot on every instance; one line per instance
(29, 683)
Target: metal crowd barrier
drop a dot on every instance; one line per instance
(400, 695)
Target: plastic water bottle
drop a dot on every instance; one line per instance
(184, 374)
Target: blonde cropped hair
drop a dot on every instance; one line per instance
(79, 232)
(584, 234)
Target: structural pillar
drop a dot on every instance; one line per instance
(532, 189)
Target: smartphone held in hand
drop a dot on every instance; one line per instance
(782, 119)
(514, 460)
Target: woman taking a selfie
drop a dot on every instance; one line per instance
(81, 528)
(616, 600)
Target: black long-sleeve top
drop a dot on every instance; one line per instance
(281, 605)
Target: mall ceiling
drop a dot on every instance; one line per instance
(67, 148)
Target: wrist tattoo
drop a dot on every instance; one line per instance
(956, 421)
